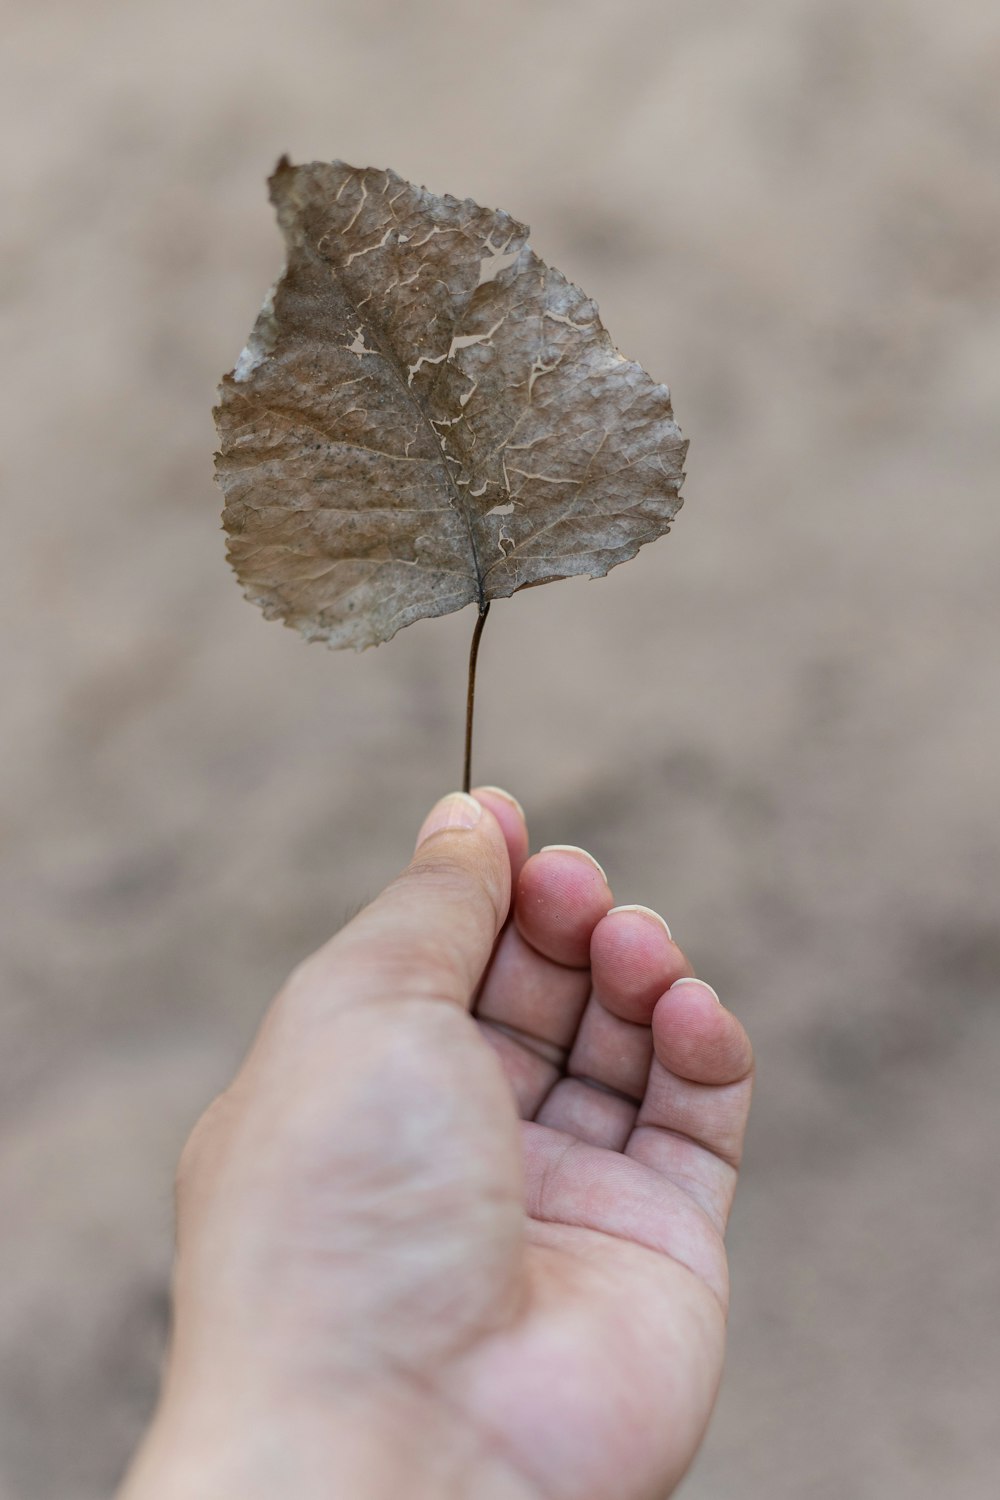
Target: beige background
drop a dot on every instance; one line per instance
(780, 725)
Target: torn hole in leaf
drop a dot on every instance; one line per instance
(357, 344)
(466, 340)
(496, 262)
(425, 359)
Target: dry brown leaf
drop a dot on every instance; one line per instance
(427, 416)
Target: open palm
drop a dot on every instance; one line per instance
(476, 1185)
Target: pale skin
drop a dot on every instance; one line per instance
(456, 1227)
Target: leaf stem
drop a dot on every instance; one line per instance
(470, 701)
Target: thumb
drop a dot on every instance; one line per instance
(430, 933)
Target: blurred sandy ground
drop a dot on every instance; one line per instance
(780, 725)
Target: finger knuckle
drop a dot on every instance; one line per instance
(457, 882)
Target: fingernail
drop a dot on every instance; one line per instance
(498, 791)
(572, 849)
(457, 810)
(646, 911)
(702, 985)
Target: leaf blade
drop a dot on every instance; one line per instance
(426, 415)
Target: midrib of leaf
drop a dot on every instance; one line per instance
(371, 324)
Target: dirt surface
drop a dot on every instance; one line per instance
(780, 725)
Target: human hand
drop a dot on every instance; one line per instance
(387, 1282)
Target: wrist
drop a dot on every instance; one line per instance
(379, 1445)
